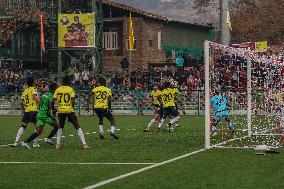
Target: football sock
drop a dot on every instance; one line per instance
(32, 137)
(81, 135)
(161, 122)
(20, 133)
(151, 123)
(59, 134)
(174, 120)
(112, 129)
(213, 129)
(36, 139)
(101, 127)
(52, 133)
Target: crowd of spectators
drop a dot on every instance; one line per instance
(187, 74)
(13, 76)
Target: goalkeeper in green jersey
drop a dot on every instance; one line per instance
(258, 99)
(44, 116)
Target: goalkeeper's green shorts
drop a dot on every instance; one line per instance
(41, 120)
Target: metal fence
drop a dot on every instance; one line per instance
(135, 102)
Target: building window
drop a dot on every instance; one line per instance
(135, 44)
(160, 39)
(110, 41)
(150, 43)
(20, 42)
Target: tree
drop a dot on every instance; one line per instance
(254, 20)
(21, 17)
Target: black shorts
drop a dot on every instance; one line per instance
(103, 113)
(160, 111)
(72, 118)
(170, 111)
(29, 117)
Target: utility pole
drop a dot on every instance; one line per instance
(225, 30)
(59, 72)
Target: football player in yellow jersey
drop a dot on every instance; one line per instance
(65, 97)
(158, 108)
(102, 107)
(168, 96)
(29, 103)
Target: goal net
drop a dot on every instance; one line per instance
(251, 84)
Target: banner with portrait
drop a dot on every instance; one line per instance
(76, 30)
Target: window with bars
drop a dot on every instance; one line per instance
(110, 41)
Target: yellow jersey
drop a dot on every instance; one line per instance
(168, 97)
(63, 95)
(101, 94)
(28, 99)
(155, 94)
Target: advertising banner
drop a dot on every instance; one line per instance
(76, 30)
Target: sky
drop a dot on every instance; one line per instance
(181, 10)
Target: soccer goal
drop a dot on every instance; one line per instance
(252, 85)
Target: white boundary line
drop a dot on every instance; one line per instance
(5, 145)
(72, 135)
(61, 163)
(142, 170)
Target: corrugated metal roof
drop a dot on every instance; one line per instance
(134, 10)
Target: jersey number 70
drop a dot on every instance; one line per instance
(66, 97)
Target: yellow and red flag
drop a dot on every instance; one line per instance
(131, 33)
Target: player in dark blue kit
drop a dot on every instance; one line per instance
(221, 107)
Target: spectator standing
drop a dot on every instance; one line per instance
(77, 77)
(124, 64)
(85, 77)
(179, 65)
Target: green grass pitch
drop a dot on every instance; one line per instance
(215, 168)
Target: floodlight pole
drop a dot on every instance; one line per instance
(249, 112)
(207, 95)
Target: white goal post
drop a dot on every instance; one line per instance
(250, 128)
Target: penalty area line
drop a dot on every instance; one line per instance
(142, 170)
(91, 163)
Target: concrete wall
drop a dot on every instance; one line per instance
(183, 35)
